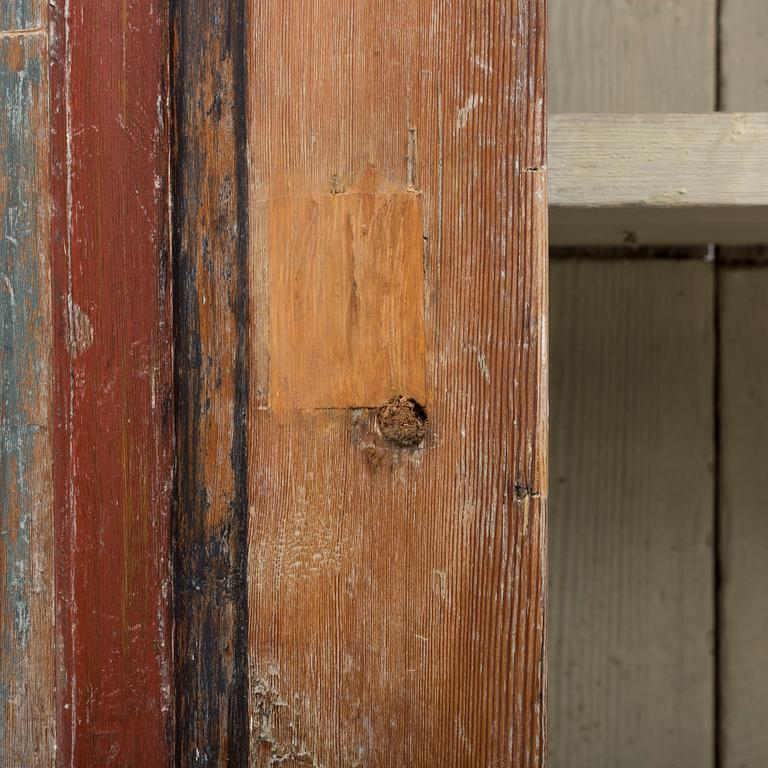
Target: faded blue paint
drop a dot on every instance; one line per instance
(23, 363)
(19, 15)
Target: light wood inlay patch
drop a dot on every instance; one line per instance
(396, 556)
(346, 296)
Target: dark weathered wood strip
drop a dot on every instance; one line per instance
(27, 713)
(396, 593)
(210, 233)
(113, 398)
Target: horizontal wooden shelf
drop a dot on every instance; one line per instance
(662, 179)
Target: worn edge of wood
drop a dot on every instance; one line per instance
(208, 75)
(27, 706)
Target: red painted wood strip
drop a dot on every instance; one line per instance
(113, 381)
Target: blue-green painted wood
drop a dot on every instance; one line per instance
(26, 510)
(21, 15)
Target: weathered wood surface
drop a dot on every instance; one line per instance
(396, 595)
(658, 160)
(27, 712)
(648, 179)
(612, 56)
(631, 619)
(744, 524)
(210, 233)
(620, 56)
(113, 401)
(743, 430)
(744, 50)
(22, 16)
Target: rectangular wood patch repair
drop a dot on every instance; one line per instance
(346, 294)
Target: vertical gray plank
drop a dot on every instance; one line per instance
(744, 428)
(631, 587)
(744, 47)
(631, 520)
(620, 56)
(744, 527)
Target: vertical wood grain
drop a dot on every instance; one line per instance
(22, 16)
(631, 653)
(210, 234)
(744, 50)
(743, 428)
(622, 56)
(367, 248)
(610, 699)
(396, 595)
(27, 713)
(113, 400)
(744, 528)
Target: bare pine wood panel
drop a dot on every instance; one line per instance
(631, 563)
(210, 236)
(744, 527)
(648, 179)
(396, 603)
(744, 46)
(743, 429)
(27, 710)
(621, 56)
(113, 392)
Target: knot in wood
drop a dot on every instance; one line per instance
(403, 421)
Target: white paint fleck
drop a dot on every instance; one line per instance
(462, 114)
(482, 64)
(9, 288)
(79, 330)
(482, 363)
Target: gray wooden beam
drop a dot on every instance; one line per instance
(658, 179)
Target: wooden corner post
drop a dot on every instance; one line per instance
(360, 238)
